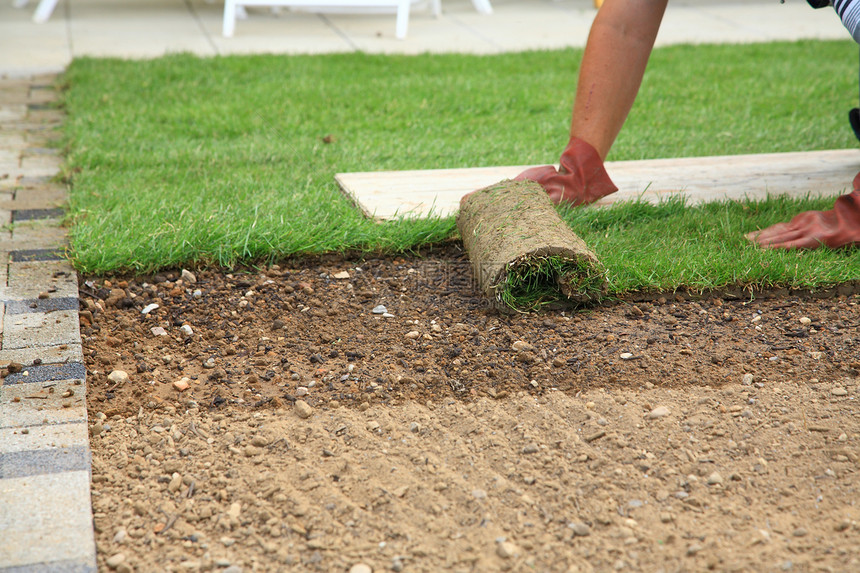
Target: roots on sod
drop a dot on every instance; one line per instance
(523, 255)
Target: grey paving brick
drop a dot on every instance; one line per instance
(36, 214)
(30, 255)
(26, 181)
(46, 461)
(41, 305)
(54, 354)
(40, 329)
(47, 373)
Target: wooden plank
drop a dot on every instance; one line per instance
(390, 194)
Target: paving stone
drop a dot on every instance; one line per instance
(44, 437)
(36, 236)
(40, 329)
(47, 521)
(46, 115)
(32, 374)
(23, 252)
(12, 112)
(34, 197)
(24, 463)
(37, 214)
(42, 305)
(37, 404)
(27, 279)
(8, 183)
(54, 354)
(10, 159)
(36, 165)
(45, 507)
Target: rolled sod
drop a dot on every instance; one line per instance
(524, 257)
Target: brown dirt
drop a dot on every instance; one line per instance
(670, 435)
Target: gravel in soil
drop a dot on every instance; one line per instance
(336, 415)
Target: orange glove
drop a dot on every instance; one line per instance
(580, 179)
(835, 228)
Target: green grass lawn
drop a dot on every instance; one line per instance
(226, 161)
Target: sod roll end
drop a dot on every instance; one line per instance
(524, 257)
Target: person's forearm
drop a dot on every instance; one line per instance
(617, 52)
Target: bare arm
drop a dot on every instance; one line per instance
(617, 52)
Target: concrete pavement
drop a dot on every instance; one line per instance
(136, 29)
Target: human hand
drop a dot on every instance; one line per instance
(835, 228)
(580, 178)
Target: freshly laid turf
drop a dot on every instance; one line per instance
(183, 160)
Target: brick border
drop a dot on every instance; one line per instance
(45, 460)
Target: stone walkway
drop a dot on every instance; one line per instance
(45, 511)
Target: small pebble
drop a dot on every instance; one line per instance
(120, 536)
(805, 321)
(186, 329)
(360, 568)
(580, 529)
(412, 334)
(658, 412)
(626, 356)
(118, 376)
(342, 275)
(148, 308)
(379, 309)
(715, 479)
(839, 392)
(182, 384)
(747, 380)
(522, 346)
(303, 409)
(175, 483)
(188, 276)
(114, 560)
(507, 550)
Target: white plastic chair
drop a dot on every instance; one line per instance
(43, 10)
(402, 7)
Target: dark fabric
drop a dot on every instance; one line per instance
(819, 3)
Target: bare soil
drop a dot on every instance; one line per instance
(277, 420)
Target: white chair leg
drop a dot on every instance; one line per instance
(483, 6)
(402, 19)
(229, 18)
(436, 7)
(19, 3)
(44, 10)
